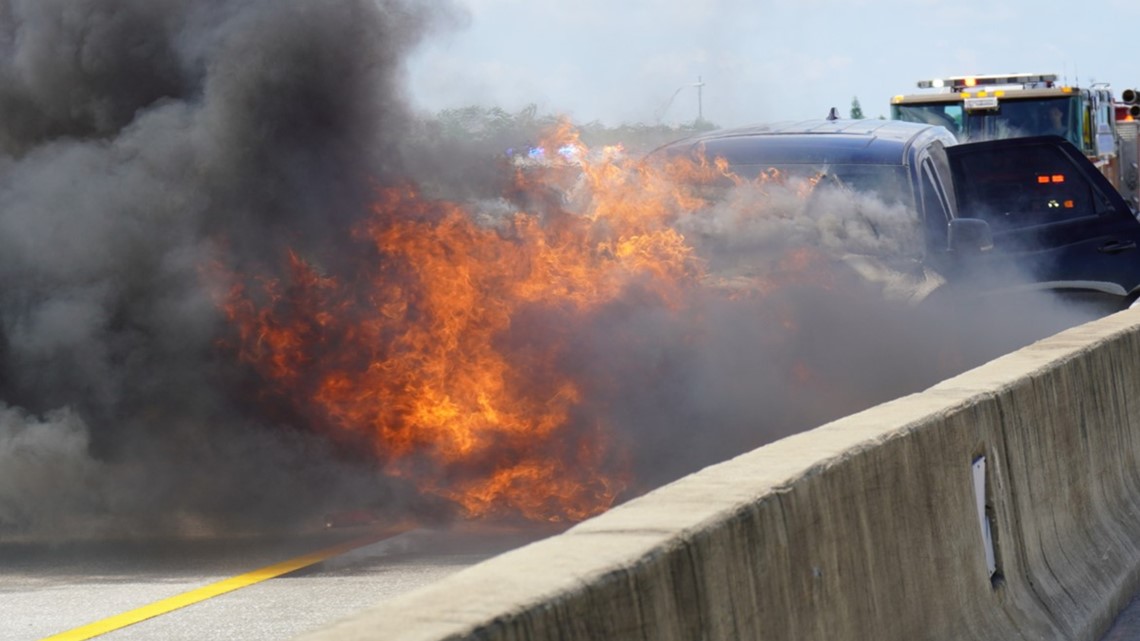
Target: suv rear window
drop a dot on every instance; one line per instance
(1022, 187)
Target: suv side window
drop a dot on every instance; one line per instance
(1024, 187)
(936, 199)
(935, 216)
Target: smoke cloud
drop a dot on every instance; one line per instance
(138, 139)
(813, 307)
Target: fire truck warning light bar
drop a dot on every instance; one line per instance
(958, 83)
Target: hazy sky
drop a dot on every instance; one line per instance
(622, 60)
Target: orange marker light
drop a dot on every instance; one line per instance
(1058, 178)
(1043, 180)
(1068, 204)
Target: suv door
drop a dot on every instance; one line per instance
(1057, 222)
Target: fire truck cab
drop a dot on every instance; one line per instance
(989, 107)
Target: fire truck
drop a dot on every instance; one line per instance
(987, 107)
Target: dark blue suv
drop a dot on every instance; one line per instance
(996, 216)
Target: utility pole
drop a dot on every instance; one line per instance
(700, 105)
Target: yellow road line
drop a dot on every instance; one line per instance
(111, 624)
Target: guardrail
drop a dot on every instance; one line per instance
(1003, 503)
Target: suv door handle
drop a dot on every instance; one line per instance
(1117, 246)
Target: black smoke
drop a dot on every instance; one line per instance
(140, 140)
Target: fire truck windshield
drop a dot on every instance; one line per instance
(1012, 118)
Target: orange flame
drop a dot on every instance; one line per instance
(424, 353)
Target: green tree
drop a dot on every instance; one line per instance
(856, 109)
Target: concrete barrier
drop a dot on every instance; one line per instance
(864, 528)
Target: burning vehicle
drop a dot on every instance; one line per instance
(991, 217)
(544, 358)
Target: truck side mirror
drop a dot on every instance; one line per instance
(970, 236)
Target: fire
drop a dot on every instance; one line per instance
(444, 345)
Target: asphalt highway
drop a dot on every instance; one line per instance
(217, 588)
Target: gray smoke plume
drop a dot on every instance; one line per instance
(772, 345)
(138, 139)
